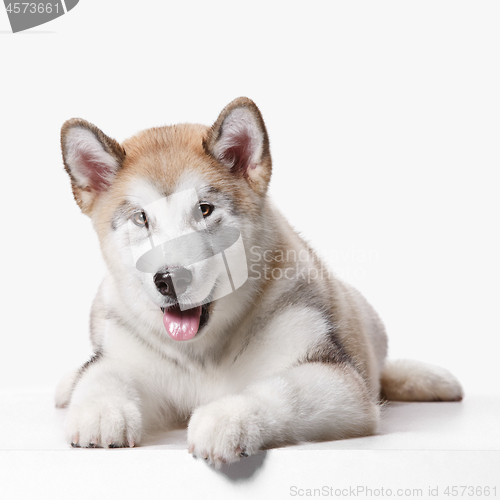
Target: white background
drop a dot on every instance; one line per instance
(384, 127)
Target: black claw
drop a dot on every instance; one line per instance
(243, 454)
(75, 445)
(113, 445)
(92, 445)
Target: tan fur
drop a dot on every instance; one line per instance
(161, 155)
(409, 380)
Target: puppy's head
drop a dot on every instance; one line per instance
(172, 207)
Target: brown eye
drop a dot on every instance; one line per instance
(139, 218)
(206, 209)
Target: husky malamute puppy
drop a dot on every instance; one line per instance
(214, 313)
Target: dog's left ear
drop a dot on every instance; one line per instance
(92, 160)
(238, 140)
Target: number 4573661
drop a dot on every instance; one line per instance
(32, 8)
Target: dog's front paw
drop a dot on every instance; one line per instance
(112, 422)
(225, 430)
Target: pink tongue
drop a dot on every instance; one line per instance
(182, 325)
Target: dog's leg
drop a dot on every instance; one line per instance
(310, 402)
(105, 408)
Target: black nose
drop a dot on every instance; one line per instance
(173, 282)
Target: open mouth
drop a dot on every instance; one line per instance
(184, 325)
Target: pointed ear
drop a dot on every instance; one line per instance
(91, 159)
(238, 140)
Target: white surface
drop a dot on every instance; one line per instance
(29, 421)
(420, 445)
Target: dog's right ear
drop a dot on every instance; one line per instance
(239, 141)
(91, 159)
